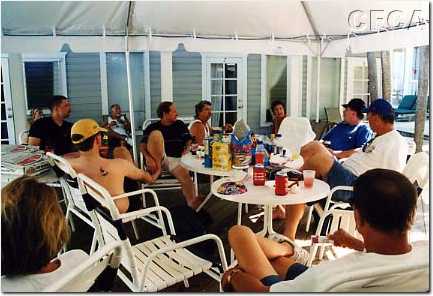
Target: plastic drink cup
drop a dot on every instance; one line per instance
(309, 176)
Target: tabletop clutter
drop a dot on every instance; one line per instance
(241, 149)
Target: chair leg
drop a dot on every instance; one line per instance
(135, 229)
(186, 283)
(313, 251)
(93, 246)
(68, 217)
(321, 252)
(310, 213)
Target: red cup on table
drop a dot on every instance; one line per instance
(309, 176)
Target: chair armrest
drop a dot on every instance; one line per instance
(184, 244)
(132, 193)
(130, 216)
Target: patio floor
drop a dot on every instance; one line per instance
(223, 216)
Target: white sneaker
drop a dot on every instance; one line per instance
(300, 255)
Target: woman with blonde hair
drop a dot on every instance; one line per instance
(34, 230)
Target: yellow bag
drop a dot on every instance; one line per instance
(221, 156)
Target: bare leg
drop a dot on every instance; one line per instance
(294, 215)
(182, 175)
(123, 153)
(321, 162)
(309, 149)
(155, 147)
(250, 255)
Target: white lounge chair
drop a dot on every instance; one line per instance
(155, 264)
(88, 272)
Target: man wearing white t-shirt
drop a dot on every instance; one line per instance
(266, 265)
(387, 150)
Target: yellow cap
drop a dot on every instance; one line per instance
(84, 129)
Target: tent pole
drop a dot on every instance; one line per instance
(131, 105)
(318, 83)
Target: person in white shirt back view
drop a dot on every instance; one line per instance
(387, 150)
(384, 203)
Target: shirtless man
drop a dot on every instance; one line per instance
(109, 173)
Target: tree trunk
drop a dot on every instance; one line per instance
(372, 76)
(422, 97)
(386, 75)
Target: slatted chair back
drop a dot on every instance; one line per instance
(101, 268)
(68, 181)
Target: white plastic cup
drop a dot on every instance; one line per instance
(309, 176)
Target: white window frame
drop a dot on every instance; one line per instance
(8, 98)
(293, 87)
(242, 61)
(60, 58)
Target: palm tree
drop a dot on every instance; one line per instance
(386, 75)
(422, 97)
(372, 76)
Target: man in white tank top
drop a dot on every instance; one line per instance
(200, 128)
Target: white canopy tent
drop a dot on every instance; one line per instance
(274, 27)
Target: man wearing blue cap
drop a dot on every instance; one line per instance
(351, 134)
(387, 150)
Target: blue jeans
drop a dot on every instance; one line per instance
(340, 176)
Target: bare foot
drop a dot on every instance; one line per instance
(279, 213)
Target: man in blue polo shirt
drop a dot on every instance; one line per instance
(351, 134)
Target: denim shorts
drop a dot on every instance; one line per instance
(340, 176)
(293, 271)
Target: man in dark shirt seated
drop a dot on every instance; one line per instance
(351, 134)
(54, 133)
(163, 144)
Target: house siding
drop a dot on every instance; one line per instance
(187, 81)
(155, 81)
(84, 85)
(254, 90)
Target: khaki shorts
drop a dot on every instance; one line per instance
(170, 163)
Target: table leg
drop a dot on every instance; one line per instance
(207, 196)
(196, 183)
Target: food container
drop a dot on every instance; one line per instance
(259, 175)
(281, 183)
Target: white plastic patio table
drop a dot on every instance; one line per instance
(195, 164)
(265, 195)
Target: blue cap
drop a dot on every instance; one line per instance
(381, 107)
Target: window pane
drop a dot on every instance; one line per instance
(276, 80)
(231, 87)
(357, 72)
(3, 116)
(4, 131)
(39, 83)
(231, 117)
(216, 87)
(216, 71)
(231, 71)
(231, 103)
(217, 103)
(217, 119)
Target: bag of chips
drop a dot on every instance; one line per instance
(241, 144)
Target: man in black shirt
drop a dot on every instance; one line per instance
(163, 144)
(54, 133)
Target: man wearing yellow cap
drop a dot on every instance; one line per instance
(109, 173)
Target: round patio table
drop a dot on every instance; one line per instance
(195, 165)
(265, 195)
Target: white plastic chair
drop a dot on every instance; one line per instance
(341, 218)
(23, 137)
(81, 278)
(75, 202)
(155, 264)
(295, 132)
(417, 169)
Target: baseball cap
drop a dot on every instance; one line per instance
(381, 107)
(84, 129)
(357, 105)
